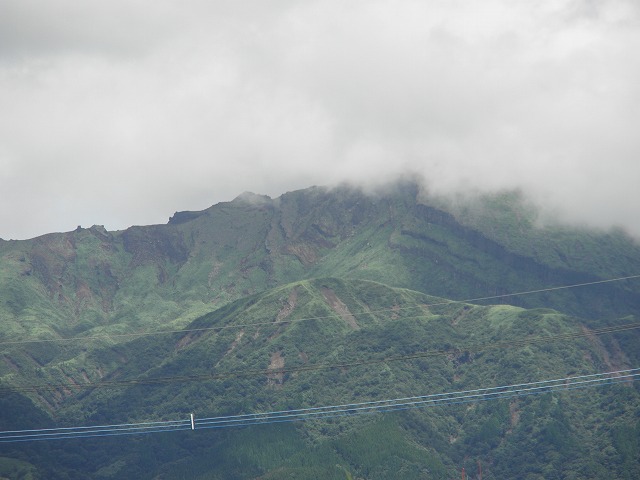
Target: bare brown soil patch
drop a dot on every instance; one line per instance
(232, 347)
(276, 363)
(305, 253)
(11, 363)
(514, 414)
(339, 307)
(187, 340)
(460, 315)
(614, 359)
(288, 307)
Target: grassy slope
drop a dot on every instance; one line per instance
(93, 282)
(568, 430)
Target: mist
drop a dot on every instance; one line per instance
(123, 113)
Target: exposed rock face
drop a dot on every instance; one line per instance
(155, 244)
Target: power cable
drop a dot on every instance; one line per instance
(321, 317)
(588, 378)
(415, 402)
(471, 348)
(349, 409)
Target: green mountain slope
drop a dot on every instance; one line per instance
(91, 279)
(353, 273)
(332, 341)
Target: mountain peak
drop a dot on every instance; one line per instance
(252, 198)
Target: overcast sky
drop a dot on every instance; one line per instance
(123, 112)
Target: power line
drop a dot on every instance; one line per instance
(471, 348)
(331, 411)
(465, 396)
(588, 378)
(552, 289)
(305, 319)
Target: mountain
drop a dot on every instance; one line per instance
(323, 297)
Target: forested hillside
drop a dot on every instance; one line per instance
(325, 297)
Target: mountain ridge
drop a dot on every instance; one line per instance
(335, 253)
(277, 350)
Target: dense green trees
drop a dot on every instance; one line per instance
(331, 287)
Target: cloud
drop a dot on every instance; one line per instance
(122, 113)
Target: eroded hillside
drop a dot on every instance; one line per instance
(319, 297)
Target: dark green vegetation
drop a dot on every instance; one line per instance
(329, 290)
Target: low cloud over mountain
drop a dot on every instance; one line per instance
(122, 113)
